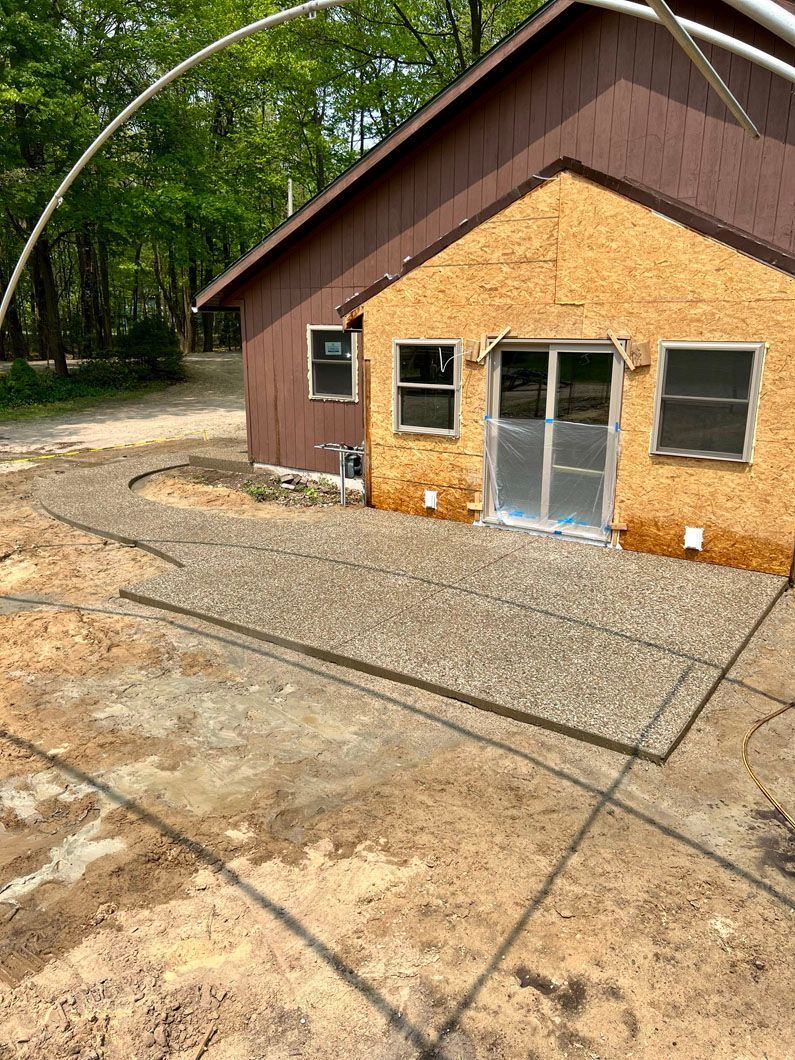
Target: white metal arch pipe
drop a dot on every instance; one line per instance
(187, 64)
(705, 33)
(770, 15)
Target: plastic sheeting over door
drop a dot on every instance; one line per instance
(551, 476)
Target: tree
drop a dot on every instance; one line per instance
(200, 173)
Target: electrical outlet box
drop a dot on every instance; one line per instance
(430, 499)
(694, 537)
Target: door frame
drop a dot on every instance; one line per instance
(553, 347)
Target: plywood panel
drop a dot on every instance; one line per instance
(704, 292)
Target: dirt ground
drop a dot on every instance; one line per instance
(225, 491)
(209, 401)
(209, 843)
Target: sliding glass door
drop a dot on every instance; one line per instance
(551, 437)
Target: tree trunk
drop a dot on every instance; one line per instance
(89, 298)
(193, 279)
(48, 317)
(104, 292)
(13, 343)
(136, 282)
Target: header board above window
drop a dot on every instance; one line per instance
(707, 394)
(332, 363)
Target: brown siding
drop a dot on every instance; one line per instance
(610, 91)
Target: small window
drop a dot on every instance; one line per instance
(427, 382)
(706, 399)
(332, 363)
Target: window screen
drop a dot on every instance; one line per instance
(331, 364)
(706, 400)
(426, 378)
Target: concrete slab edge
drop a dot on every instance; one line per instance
(210, 463)
(729, 665)
(395, 675)
(398, 677)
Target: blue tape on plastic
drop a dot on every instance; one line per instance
(616, 426)
(549, 421)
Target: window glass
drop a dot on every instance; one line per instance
(427, 408)
(705, 401)
(425, 387)
(332, 379)
(703, 428)
(709, 373)
(427, 364)
(523, 384)
(331, 363)
(584, 383)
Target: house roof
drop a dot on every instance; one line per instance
(454, 97)
(551, 18)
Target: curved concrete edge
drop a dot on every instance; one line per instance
(110, 535)
(154, 471)
(398, 677)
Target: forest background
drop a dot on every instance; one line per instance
(200, 174)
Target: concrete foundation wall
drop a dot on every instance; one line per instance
(572, 260)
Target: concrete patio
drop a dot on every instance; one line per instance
(618, 648)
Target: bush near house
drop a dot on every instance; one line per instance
(147, 358)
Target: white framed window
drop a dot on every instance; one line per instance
(707, 396)
(427, 396)
(332, 355)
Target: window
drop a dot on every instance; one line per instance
(706, 399)
(427, 382)
(332, 363)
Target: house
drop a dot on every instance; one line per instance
(559, 298)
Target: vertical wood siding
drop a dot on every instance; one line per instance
(610, 91)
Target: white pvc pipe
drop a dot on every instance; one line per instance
(131, 108)
(770, 15)
(702, 63)
(705, 33)
(775, 19)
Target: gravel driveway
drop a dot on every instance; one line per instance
(210, 400)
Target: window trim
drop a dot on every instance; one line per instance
(755, 383)
(397, 426)
(354, 362)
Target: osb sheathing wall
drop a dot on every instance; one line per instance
(572, 260)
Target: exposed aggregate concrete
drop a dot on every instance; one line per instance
(617, 647)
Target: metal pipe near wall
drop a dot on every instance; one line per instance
(702, 63)
(705, 33)
(770, 15)
(187, 64)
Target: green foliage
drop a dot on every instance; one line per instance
(200, 173)
(22, 387)
(153, 345)
(22, 384)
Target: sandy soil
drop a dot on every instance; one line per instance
(203, 835)
(211, 401)
(220, 491)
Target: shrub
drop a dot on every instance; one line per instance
(152, 343)
(22, 384)
(109, 373)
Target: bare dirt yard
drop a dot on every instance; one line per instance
(214, 847)
(210, 400)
